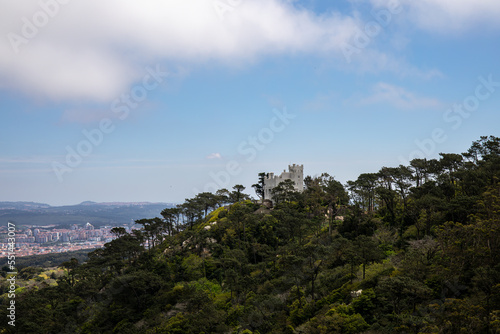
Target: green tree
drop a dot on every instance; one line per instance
(238, 215)
(367, 250)
(171, 217)
(154, 230)
(71, 265)
(363, 190)
(284, 191)
(192, 210)
(223, 197)
(207, 201)
(402, 293)
(259, 186)
(237, 195)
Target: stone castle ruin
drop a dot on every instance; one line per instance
(295, 173)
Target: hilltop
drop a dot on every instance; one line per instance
(408, 249)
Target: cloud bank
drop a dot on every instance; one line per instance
(70, 50)
(444, 16)
(91, 50)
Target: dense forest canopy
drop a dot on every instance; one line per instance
(407, 249)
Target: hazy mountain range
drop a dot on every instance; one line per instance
(111, 213)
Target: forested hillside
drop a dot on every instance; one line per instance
(408, 249)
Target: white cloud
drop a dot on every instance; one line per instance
(448, 15)
(96, 49)
(214, 156)
(455, 15)
(398, 97)
(374, 61)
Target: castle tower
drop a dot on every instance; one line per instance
(295, 173)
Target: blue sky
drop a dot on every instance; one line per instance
(187, 96)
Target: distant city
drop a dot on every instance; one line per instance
(42, 229)
(36, 240)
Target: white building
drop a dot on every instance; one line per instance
(295, 173)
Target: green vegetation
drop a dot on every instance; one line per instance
(44, 260)
(409, 249)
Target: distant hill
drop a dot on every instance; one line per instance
(113, 213)
(22, 205)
